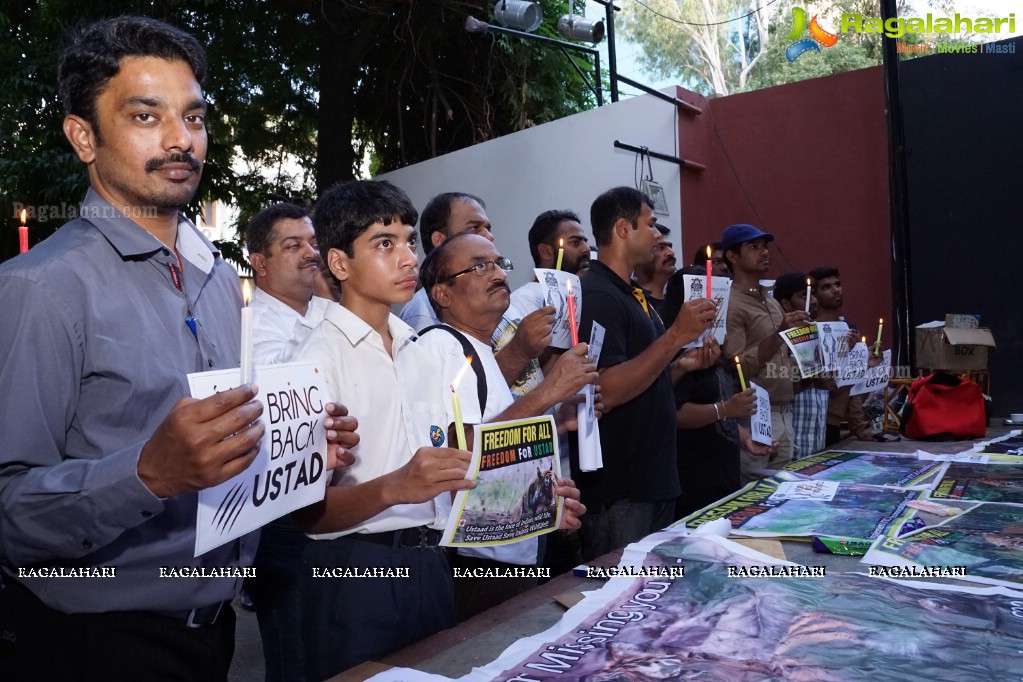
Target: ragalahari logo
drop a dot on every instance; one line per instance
(818, 36)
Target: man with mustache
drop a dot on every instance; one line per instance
(286, 308)
(467, 283)
(286, 266)
(103, 449)
(654, 276)
(754, 320)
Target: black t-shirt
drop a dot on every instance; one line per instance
(638, 437)
(708, 456)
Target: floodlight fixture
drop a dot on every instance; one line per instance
(519, 14)
(573, 27)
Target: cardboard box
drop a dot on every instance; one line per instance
(959, 344)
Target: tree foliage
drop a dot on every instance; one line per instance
(300, 90)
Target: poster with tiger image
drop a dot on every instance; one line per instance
(516, 468)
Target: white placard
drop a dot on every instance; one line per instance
(834, 340)
(554, 284)
(590, 454)
(822, 491)
(290, 470)
(854, 369)
(877, 377)
(760, 423)
(721, 290)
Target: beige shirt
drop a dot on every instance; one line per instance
(752, 318)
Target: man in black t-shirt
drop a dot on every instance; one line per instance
(634, 494)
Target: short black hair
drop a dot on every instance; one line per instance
(700, 257)
(260, 229)
(823, 272)
(788, 285)
(435, 267)
(663, 229)
(437, 213)
(348, 209)
(94, 55)
(619, 202)
(545, 225)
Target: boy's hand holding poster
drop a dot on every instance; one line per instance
(516, 468)
(290, 470)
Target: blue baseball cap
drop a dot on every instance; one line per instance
(735, 235)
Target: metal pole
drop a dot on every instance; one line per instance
(897, 197)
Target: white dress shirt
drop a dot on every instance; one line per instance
(278, 330)
(396, 400)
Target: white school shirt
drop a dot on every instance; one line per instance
(447, 352)
(397, 402)
(277, 329)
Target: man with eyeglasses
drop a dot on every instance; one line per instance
(467, 284)
(517, 340)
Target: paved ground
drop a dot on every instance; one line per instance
(247, 665)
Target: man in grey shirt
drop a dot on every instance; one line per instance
(101, 451)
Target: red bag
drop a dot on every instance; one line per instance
(943, 406)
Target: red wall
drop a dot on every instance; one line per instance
(806, 161)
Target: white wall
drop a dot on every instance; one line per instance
(564, 164)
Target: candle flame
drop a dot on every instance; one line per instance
(568, 283)
(807, 281)
(881, 321)
(246, 291)
(561, 243)
(24, 213)
(708, 251)
(737, 359)
(864, 340)
(461, 373)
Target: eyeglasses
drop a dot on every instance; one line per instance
(483, 266)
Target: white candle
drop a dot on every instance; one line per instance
(246, 346)
(456, 405)
(807, 296)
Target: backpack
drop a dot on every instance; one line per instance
(943, 406)
(470, 352)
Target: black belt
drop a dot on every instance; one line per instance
(420, 537)
(196, 618)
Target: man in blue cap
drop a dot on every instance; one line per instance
(754, 320)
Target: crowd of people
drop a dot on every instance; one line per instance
(104, 451)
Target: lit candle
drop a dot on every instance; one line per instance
(572, 326)
(246, 348)
(456, 404)
(710, 264)
(807, 310)
(23, 234)
(561, 253)
(738, 367)
(877, 345)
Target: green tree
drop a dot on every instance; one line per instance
(310, 85)
(711, 45)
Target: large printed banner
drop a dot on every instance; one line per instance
(516, 468)
(986, 540)
(866, 468)
(980, 483)
(290, 470)
(738, 616)
(762, 509)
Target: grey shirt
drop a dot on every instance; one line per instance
(94, 349)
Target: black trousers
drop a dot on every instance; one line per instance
(349, 620)
(41, 643)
